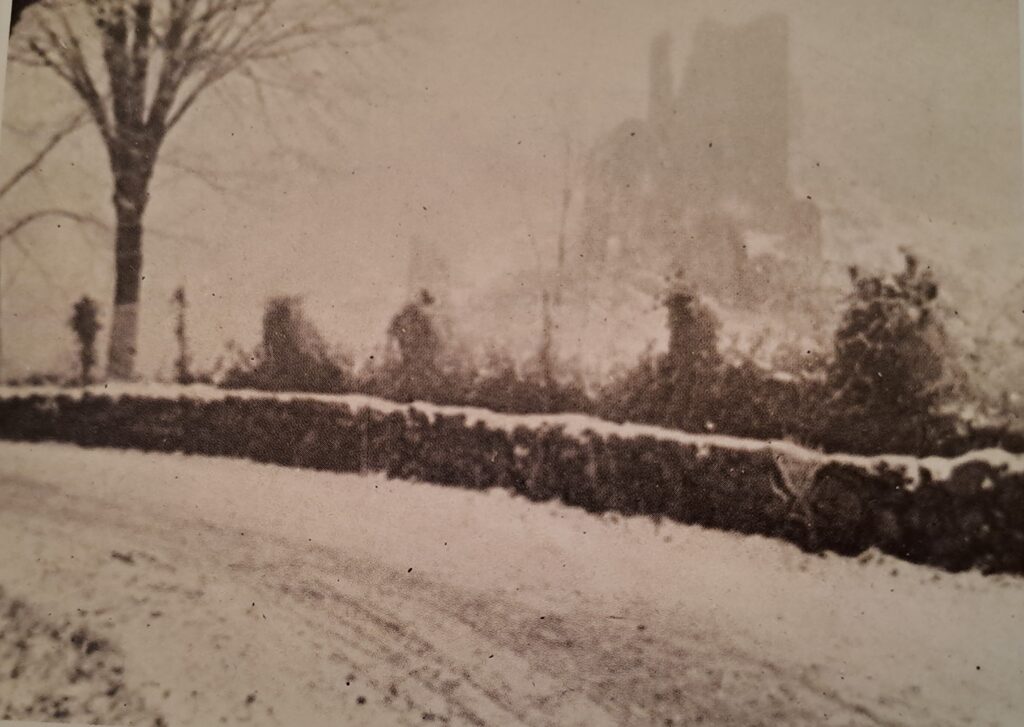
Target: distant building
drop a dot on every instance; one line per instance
(702, 183)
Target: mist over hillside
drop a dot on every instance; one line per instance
(702, 192)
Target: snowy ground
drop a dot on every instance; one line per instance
(227, 591)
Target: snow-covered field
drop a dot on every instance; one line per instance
(227, 591)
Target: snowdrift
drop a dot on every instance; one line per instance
(959, 513)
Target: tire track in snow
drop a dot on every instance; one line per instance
(420, 644)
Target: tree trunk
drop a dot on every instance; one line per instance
(128, 277)
(132, 165)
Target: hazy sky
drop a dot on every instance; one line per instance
(905, 111)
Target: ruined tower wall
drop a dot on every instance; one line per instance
(733, 126)
(709, 164)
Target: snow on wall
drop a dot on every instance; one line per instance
(953, 513)
(797, 464)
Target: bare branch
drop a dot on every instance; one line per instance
(71, 126)
(140, 54)
(61, 52)
(26, 220)
(233, 47)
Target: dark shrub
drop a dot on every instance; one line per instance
(292, 356)
(85, 324)
(885, 377)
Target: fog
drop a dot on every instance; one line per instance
(900, 123)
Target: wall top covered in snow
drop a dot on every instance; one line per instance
(791, 458)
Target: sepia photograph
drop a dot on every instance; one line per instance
(542, 363)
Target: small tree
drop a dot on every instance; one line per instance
(85, 323)
(413, 333)
(679, 388)
(691, 368)
(693, 333)
(292, 357)
(887, 369)
(183, 363)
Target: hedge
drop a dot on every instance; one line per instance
(954, 514)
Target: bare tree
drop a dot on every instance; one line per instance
(139, 66)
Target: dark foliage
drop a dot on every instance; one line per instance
(499, 385)
(973, 519)
(885, 377)
(880, 390)
(414, 334)
(183, 362)
(292, 356)
(692, 388)
(85, 323)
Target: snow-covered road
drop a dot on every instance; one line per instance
(236, 592)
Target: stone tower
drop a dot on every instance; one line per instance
(733, 122)
(707, 170)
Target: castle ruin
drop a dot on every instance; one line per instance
(702, 185)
